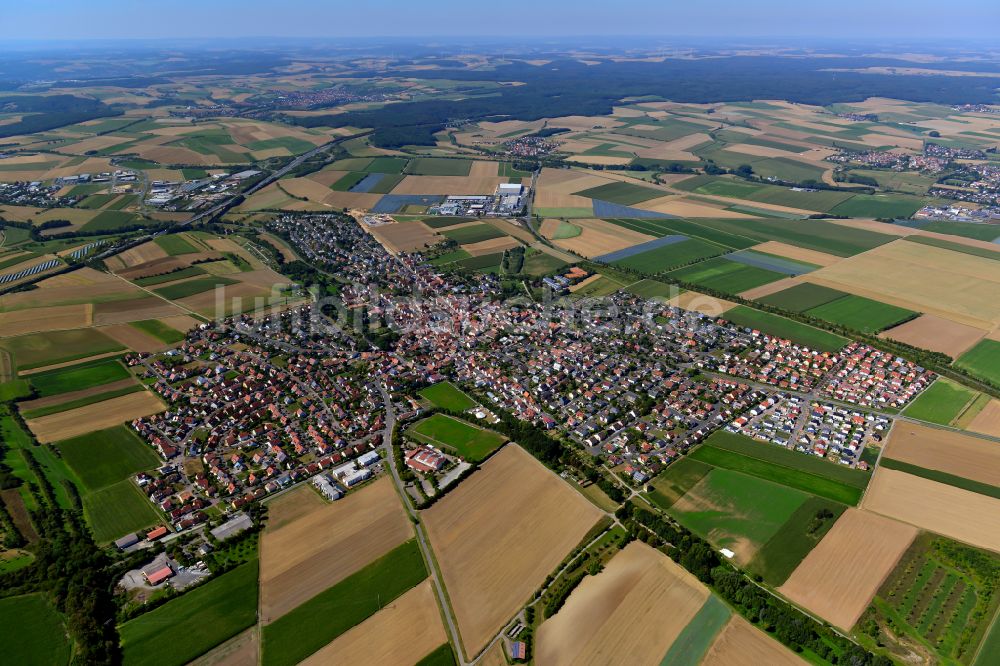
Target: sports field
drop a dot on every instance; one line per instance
(470, 442)
(105, 457)
(204, 617)
(32, 631)
(346, 604)
(788, 329)
(447, 396)
(118, 509)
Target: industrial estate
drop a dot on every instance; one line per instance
(559, 356)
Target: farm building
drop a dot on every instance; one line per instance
(157, 533)
(126, 541)
(157, 574)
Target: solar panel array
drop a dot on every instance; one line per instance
(37, 268)
(82, 251)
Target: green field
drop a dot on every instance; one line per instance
(96, 201)
(105, 457)
(390, 165)
(942, 594)
(940, 403)
(566, 230)
(602, 286)
(820, 200)
(788, 329)
(539, 263)
(450, 257)
(653, 289)
(117, 510)
(192, 287)
(507, 170)
(691, 645)
(861, 314)
(32, 632)
(486, 263)
(301, 632)
(983, 361)
(438, 166)
(879, 205)
(670, 256)
(949, 245)
(78, 377)
(158, 330)
(625, 194)
(444, 221)
(790, 468)
(174, 245)
(802, 297)
(472, 443)
(447, 396)
(200, 620)
(942, 477)
(700, 230)
(348, 180)
(474, 233)
(190, 271)
(776, 561)
(40, 349)
(726, 276)
(110, 219)
(440, 656)
(736, 510)
(678, 478)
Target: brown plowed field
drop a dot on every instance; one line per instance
(960, 514)
(404, 236)
(740, 642)
(839, 577)
(401, 634)
(499, 534)
(641, 592)
(937, 334)
(36, 320)
(987, 422)
(301, 558)
(133, 338)
(946, 451)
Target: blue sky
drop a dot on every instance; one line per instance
(867, 19)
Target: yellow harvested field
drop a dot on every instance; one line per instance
(987, 422)
(740, 642)
(36, 320)
(640, 592)
(583, 284)
(491, 246)
(763, 151)
(682, 207)
(302, 557)
(350, 200)
(824, 585)
(242, 650)
(483, 169)
(234, 298)
(120, 312)
(404, 236)
(140, 254)
(959, 287)
(960, 514)
(946, 451)
(797, 253)
(513, 519)
(401, 634)
(703, 303)
(599, 159)
(101, 415)
(599, 237)
(937, 334)
(305, 187)
(678, 149)
(449, 184)
(549, 227)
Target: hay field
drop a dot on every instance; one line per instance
(741, 643)
(404, 236)
(987, 422)
(641, 592)
(598, 237)
(499, 534)
(401, 634)
(961, 288)
(302, 557)
(937, 334)
(839, 577)
(36, 320)
(797, 253)
(953, 512)
(946, 451)
(98, 416)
